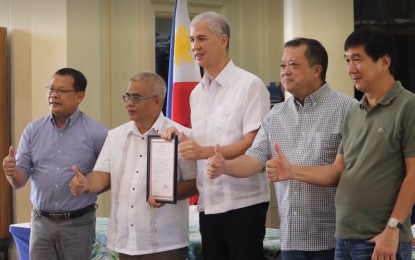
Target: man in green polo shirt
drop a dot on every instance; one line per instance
(375, 165)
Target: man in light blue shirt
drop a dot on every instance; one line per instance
(62, 226)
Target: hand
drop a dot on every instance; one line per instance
(215, 165)
(188, 148)
(168, 133)
(386, 244)
(278, 168)
(153, 203)
(79, 183)
(9, 163)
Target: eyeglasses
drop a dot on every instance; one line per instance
(135, 98)
(58, 91)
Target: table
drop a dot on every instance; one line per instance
(21, 235)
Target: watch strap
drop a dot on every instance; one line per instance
(400, 226)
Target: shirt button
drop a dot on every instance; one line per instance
(141, 155)
(295, 213)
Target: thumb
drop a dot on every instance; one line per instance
(278, 150)
(183, 137)
(12, 152)
(77, 172)
(217, 151)
(217, 148)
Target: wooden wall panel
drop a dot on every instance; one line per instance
(5, 189)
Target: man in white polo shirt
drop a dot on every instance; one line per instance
(138, 231)
(227, 108)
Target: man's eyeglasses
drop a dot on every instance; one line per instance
(135, 98)
(58, 91)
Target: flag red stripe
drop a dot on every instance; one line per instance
(181, 106)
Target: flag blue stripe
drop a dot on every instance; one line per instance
(169, 105)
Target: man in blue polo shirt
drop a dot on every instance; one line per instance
(62, 226)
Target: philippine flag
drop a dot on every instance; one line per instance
(184, 74)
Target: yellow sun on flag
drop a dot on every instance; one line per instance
(182, 51)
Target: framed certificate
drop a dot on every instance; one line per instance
(162, 169)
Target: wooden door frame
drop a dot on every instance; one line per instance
(5, 189)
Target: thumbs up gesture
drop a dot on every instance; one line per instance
(79, 183)
(9, 163)
(278, 168)
(189, 149)
(215, 165)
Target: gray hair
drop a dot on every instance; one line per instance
(215, 22)
(154, 81)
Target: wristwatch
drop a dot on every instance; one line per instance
(394, 223)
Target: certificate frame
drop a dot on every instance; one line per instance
(162, 169)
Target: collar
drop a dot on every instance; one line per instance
(315, 97)
(71, 119)
(223, 77)
(386, 99)
(160, 123)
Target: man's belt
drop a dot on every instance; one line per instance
(61, 216)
